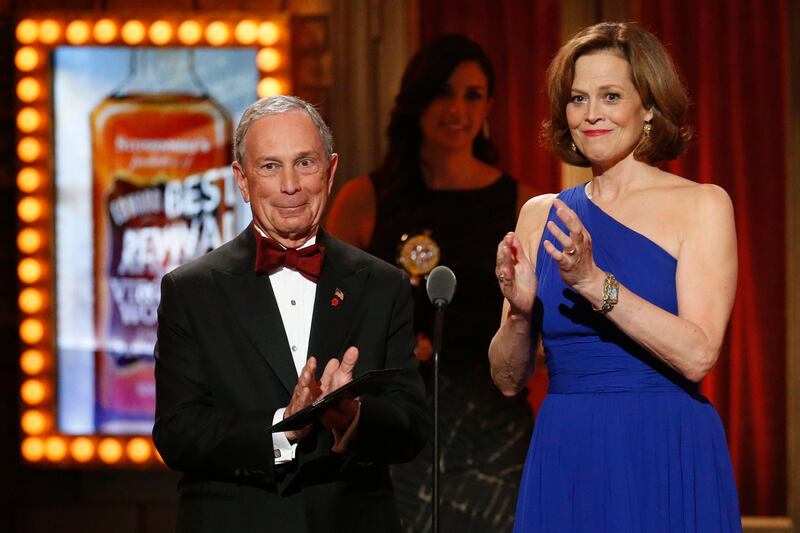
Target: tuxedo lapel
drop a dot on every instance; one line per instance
(340, 290)
(253, 303)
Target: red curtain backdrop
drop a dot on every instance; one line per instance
(733, 56)
(520, 37)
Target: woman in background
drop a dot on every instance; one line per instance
(629, 279)
(438, 198)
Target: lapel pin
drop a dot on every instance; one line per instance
(338, 296)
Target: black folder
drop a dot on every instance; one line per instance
(370, 382)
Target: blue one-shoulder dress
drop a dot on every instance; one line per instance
(622, 443)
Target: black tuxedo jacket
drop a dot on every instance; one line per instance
(223, 367)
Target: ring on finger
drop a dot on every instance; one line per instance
(571, 251)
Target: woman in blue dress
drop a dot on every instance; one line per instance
(629, 281)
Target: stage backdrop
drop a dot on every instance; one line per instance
(733, 58)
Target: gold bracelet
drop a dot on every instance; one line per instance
(610, 294)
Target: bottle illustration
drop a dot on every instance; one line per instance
(163, 194)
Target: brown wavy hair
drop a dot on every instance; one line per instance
(653, 74)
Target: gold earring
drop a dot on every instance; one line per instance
(572, 145)
(647, 129)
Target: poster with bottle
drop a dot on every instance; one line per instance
(148, 184)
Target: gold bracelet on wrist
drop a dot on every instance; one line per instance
(610, 294)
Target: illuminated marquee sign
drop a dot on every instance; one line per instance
(116, 186)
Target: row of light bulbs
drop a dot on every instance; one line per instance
(159, 32)
(41, 443)
(36, 362)
(30, 33)
(109, 450)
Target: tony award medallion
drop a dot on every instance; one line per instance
(417, 255)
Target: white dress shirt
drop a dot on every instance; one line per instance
(295, 297)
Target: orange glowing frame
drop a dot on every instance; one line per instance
(41, 442)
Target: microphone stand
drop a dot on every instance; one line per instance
(438, 331)
(441, 286)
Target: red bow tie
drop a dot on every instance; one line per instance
(271, 257)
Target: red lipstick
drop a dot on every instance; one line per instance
(595, 133)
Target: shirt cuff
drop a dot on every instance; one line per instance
(282, 450)
(340, 441)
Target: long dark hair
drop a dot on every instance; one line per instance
(423, 80)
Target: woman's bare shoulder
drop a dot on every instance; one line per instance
(357, 189)
(352, 212)
(698, 209)
(532, 218)
(694, 197)
(682, 185)
(535, 210)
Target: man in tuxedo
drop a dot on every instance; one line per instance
(264, 325)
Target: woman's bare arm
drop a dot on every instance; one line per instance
(511, 352)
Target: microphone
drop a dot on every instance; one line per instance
(441, 286)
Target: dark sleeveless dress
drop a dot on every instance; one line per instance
(483, 435)
(623, 443)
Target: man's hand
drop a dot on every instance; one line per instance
(339, 416)
(305, 392)
(337, 374)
